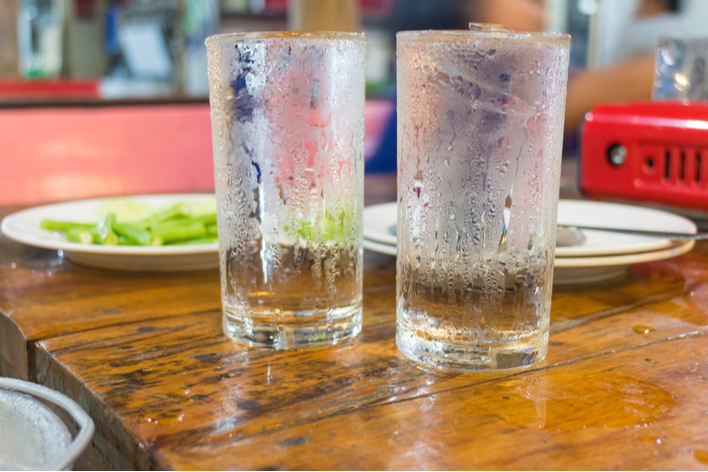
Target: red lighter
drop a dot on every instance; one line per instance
(649, 152)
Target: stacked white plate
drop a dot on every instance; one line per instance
(603, 255)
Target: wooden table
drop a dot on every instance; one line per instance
(623, 386)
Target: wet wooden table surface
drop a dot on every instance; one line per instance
(623, 387)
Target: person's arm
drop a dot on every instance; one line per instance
(518, 15)
(631, 80)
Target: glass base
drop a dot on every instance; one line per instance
(294, 330)
(480, 358)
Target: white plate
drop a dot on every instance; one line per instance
(577, 270)
(614, 215)
(379, 247)
(380, 220)
(24, 228)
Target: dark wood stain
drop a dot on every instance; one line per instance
(297, 441)
(248, 405)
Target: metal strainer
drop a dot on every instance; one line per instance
(32, 436)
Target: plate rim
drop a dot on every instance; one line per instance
(626, 259)
(592, 261)
(384, 238)
(58, 245)
(381, 248)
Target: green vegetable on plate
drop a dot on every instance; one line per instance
(182, 223)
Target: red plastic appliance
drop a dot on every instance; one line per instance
(650, 152)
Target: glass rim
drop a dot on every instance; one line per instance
(459, 35)
(265, 35)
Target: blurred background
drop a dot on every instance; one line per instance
(113, 54)
(117, 49)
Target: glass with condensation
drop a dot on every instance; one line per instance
(480, 127)
(681, 69)
(287, 115)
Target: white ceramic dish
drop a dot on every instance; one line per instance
(24, 228)
(379, 220)
(379, 247)
(578, 270)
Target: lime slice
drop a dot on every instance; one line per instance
(125, 209)
(201, 207)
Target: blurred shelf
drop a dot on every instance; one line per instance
(85, 102)
(48, 89)
(373, 20)
(237, 15)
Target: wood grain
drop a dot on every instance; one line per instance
(185, 391)
(47, 298)
(621, 388)
(614, 411)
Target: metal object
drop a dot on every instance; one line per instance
(617, 154)
(32, 436)
(569, 236)
(639, 232)
(487, 27)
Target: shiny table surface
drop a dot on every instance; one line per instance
(623, 385)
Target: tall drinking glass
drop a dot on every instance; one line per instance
(480, 123)
(287, 116)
